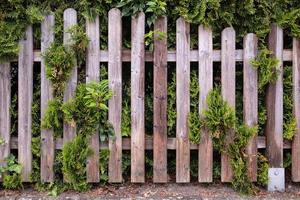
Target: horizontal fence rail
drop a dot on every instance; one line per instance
(160, 143)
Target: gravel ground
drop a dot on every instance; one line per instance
(155, 191)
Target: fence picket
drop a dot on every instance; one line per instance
(228, 89)
(5, 92)
(160, 136)
(137, 98)
(296, 96)
(205, 169)
(274, 103)
(115, 103)
(25, 92)
(182, 100)
(93, 74)
(47, 140)
(250, 101)
(70, 19)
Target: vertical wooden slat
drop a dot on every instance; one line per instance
(160, 103)
(274, 103)
(137, 98)
(182, 100)
(115, 83)
(205, 153)
(25, 92)
(70, 19)
(5, 95)
(47, 140)
(93, 74)
(250, 101)
(296, 97)
(228, 89)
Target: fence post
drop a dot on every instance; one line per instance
(160, 135)
(182, 100)
(250, 99)
(137, 98)
(47, 140)
(5, 97)
(25, 92)
(274, 104)
(228, 89)
(70, 19)
(115, 83)
(93, 74)
(205, 169)
(296, 96)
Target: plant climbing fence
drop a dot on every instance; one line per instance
(160, 143)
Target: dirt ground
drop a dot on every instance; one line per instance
(155, 191)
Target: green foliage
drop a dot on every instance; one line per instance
(53, 115)
(194, 127)
(12, 171)
(103, 165)
(262, 170)
(267, 67)
(230, 138)
(219, 118)
(194, 121)
(59, 62)
(88, 109)
(289, 125)
(154, 8)
(79, 42)
(75, 154)
(171, 108)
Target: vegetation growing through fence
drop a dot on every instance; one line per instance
(245, 16)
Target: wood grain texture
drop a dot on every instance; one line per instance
(205, 46)
(274, 103)
(296, 111)
(228, 90)
(5, 97)
(171, 144)
(160, 135)
(70, 19)
(182, 101)
(194, 55)
(137, 98)
(115, 103)
(25, 92)
(93, 74)
(250, 101)
(47, 140)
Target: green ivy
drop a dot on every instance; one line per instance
(12, 171)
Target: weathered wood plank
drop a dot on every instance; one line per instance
(274, 103)
(160, 136)
(137, 98)
(25, 92)
(182, 100)
(205, 167)
(250, 101)
(70, 19)
(228, 89)
(296, 111)
(5, 95)
(47, 140)
(93, 74)
(115, 83)
(194, 55)
(171, 144)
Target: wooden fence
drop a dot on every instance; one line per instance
(160, 143)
